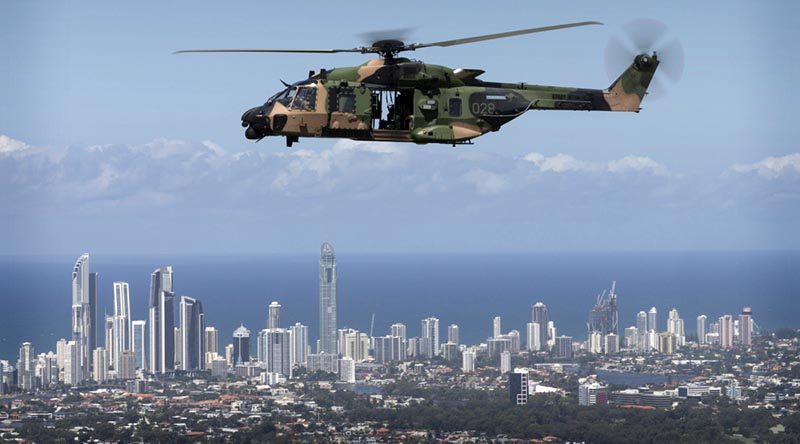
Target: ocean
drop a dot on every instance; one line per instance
(467, 289)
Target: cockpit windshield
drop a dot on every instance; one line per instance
(306, 96)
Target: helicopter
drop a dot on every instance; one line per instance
(397, 99)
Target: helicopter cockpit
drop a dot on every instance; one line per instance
(300, 96)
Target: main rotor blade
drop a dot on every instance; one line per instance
(500, 35)
(297, 51)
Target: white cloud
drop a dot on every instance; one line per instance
(562, 163)
(772, 166)
(9, 145)
(487, 182)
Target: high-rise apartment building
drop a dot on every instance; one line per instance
(327, 299)
(100, 371)
(162, 321)
(299, 344)
(121, 324)
(275, 350)
(26, 367)
(241, 345)
(430, 332)
(746, 327)
(452, 334)
(726, 331)
(274, 315)
(468, 361)
(539, 316)
(702, 321)
(497, 328)
(675, 326)
(652, 320)
(193, 331)
(533, 335)
(399, 329)
(84, 316)
(138, 343)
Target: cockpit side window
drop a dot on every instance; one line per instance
(306, 98)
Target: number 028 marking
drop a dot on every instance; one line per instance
(479, 108)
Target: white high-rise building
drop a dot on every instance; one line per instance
(100, 373)
(726, 331)
(468, 361)
(275, 350)
(274, 317)
(121, 324)
(702, 329)
(505, 362)
(138, 343)
(652, 320)
(299, 344)
(354, 344)
(452, 334)
(84, 316)
(675, 326)
(632, 338)
(327, 299)
(430, 331)
(162, 321)
(551, 334)
(399, 329)
(497, 328)
(534, 341)
(347, 370)
(641, 328)
(746, 327)
(595, 342)
(71, 364)
(611, 344)
(26, 367)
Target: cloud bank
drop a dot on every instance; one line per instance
(198, 196)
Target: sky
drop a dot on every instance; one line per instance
(111, 144)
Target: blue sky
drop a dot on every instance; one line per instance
(109, 143)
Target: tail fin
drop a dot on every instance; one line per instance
(627, 92)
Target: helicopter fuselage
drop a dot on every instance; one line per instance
(404, 100)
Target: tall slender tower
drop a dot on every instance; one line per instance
(84, 287)
(497, 328)
(539, 316)
(327, 299)
(193, 332)
(122, 323)
(430, 332)
(701, 329)
(452, 334)
(652, 320)
(162, 321)
(746, 327)
(138, 337)
(274, 319)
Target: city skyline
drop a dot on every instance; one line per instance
(279, 343)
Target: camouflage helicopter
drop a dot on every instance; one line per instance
(397, 99)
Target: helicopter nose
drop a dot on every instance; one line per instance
(256, 122)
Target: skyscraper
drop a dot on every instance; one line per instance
(275, 350)
(71, 364)
(121, 324)
(274, 316)
(701, 329)
(399, 330)
(539, 316)
(138, 341)
(468, 361)
(430, 332)
(241, 345)
(84, 312)
(505, 361)
(497, 328)
(452, 334)
(162, 321)
(652, 320)
(603, 316)
(675, 326)
(641, 329)
(193, 332)
(299, 344)
(518, 387)
(327, 299)
(726, 331)
(534, 340)
(25, 367)
(746, 327)
(100, 372)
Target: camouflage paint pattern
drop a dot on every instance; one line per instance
(449, 106)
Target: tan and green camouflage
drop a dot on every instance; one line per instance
(426, 103)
